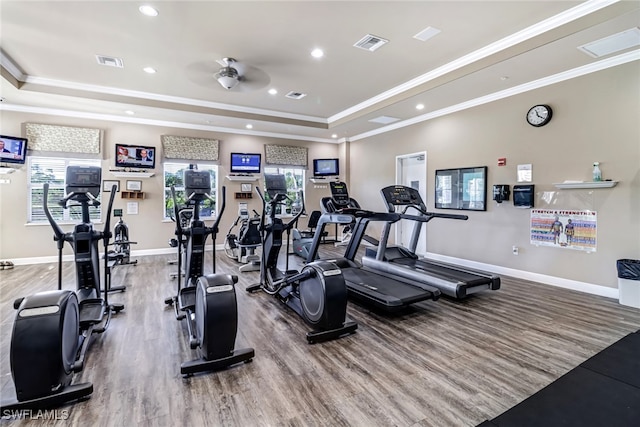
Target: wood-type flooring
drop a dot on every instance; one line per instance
(441, 363)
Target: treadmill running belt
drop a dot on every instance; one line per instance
(382, 291)
(444, 273)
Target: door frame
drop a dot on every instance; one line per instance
(422, 179)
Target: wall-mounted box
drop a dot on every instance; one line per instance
(523, 196)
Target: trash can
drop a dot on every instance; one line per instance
(629, 282)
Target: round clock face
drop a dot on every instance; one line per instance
(539, 115)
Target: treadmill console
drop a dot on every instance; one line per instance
(401, 195)
(339, 193)
(84, 179)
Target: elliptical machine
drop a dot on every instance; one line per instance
(208, 303)
(53, 329)
(318, 293)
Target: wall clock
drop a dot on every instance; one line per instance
(539, 115)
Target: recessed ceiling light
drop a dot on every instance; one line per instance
(148, 10)
(273, 91)
(249, 126)
(129, 112)
(503, 78)
(149, 70)
(334, 136)
(420, 107)
(317, 53)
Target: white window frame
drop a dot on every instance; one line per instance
(292, 191)
(71, 215)
(185, 165)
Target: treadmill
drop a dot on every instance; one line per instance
(452, 280)
(381, 290)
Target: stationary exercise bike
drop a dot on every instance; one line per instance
(318, 293)
(121, 252)
(53, 329)
(242, 246)
(207, 303)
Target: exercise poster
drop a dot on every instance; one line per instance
(565, 229)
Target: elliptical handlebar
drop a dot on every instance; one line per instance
(59, 235)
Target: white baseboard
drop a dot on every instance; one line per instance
(590, 288)
(137, 253)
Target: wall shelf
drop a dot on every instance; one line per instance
(123, 174)
(323, 180)
(577, 185)
(136, 195)
(243, 178)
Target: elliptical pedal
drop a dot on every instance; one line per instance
(91, 312)
(187, 299)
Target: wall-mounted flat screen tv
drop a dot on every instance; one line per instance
(462, 188)
(245, 163)
(13, 149)
(135, 156)
(326, 167)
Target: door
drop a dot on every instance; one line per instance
(411, 171)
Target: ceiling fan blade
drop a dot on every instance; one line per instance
(202, 73)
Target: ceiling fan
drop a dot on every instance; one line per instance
(233, 76)
(229, 76)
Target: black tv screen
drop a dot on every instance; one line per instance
(13, 149)
(135, 156)
(245, 163)
(326, 167)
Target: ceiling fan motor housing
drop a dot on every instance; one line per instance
(228, 77)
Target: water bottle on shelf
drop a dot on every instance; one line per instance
(597, 174)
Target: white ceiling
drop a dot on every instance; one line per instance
(485, 50)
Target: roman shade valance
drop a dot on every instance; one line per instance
(285, 155)
(65, 139)
(182, 147)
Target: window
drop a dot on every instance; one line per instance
(173, 176)
(54, 171)
(295, 182)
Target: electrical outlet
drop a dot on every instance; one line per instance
(515, 250)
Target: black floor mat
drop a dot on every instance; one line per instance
(603, 391)
(620, 361)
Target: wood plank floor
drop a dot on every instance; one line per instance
(442, 363)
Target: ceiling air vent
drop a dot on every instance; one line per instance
(384, 120)
(370, 42)
(614, 43)
(295, 95)
(110, 61)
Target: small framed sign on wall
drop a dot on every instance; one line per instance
(107, 185)
(134, 185)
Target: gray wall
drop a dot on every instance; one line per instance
(20, 240)
(595, 119)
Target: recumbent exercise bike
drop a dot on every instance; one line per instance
(53, 329)
(318, 293)
(242, 246)
(207, 302)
